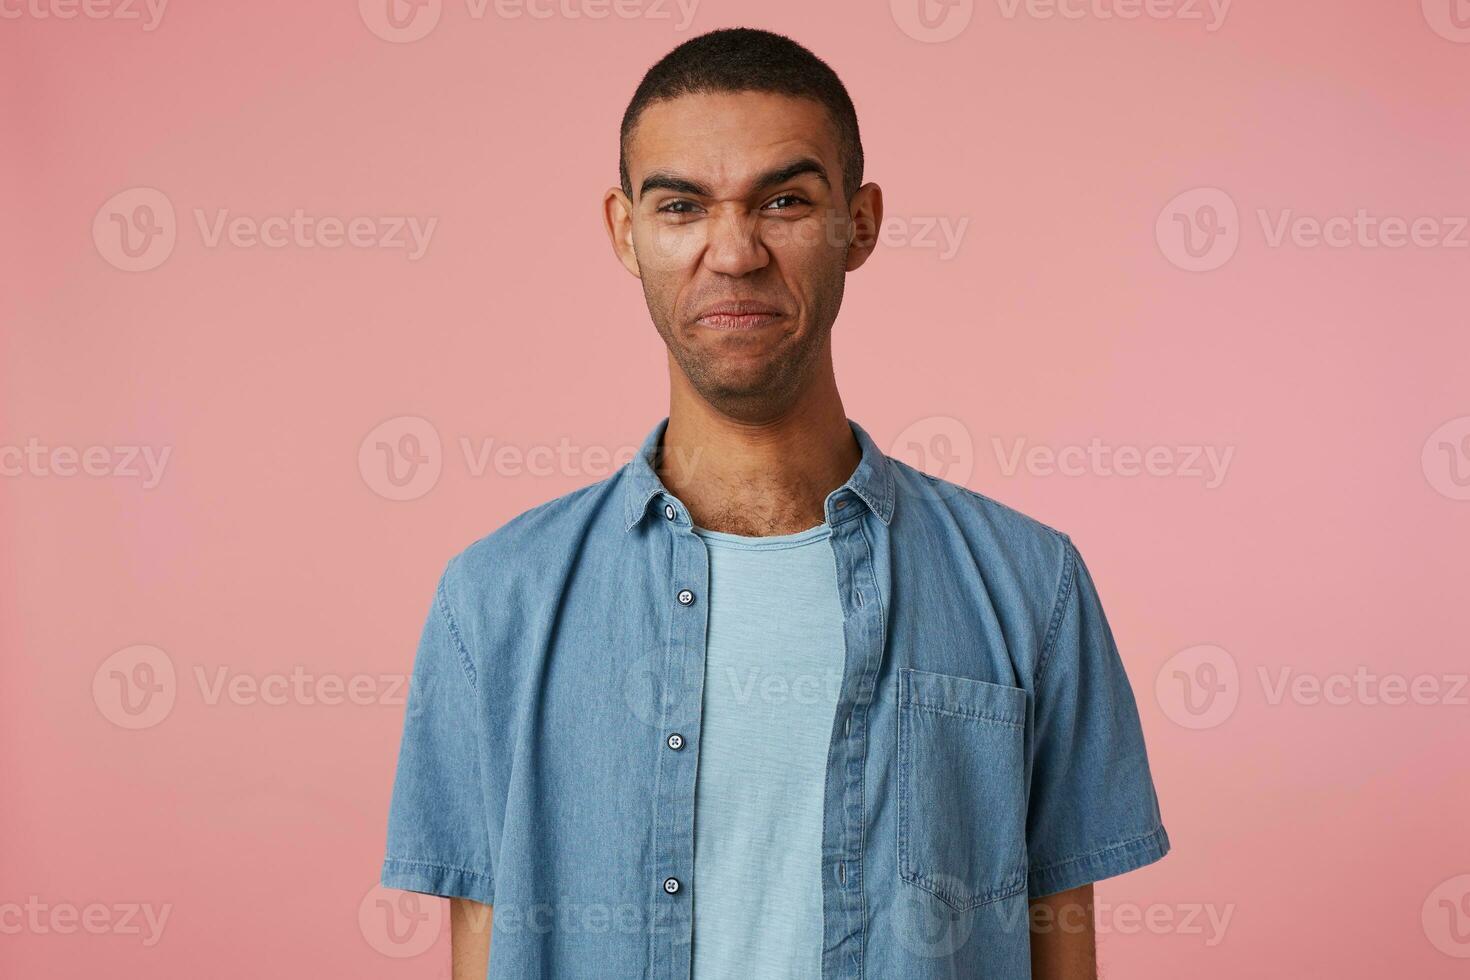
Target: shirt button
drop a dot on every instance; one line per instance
(685, 597)
(671, 885)
(676, 741)
(669, 511)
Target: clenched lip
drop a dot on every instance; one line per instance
(738, 315)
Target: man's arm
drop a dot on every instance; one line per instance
(469, 938)
(1063, 937)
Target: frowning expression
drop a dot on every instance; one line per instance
(740, 230)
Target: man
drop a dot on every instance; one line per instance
(765, 703)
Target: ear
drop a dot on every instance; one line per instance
(617, 215)
(866, 211)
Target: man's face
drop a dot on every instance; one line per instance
(739, 230)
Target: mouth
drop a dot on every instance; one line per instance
(739, 315)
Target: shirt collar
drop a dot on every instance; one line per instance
(872, 481)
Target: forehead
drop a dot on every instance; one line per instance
(724, 138)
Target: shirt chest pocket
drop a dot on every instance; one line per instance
(961, 787)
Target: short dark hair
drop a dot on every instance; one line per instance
(742, 59)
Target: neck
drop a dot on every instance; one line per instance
(763, 476)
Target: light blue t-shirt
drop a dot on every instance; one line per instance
(773, 666)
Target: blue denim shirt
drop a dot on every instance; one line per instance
(986, 747)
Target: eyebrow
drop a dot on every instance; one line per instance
(664, 180)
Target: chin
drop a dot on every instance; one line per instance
(746, 394)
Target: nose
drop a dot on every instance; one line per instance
(734, 247)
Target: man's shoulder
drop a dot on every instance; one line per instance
(971, 506)
(1000, 536)
(532, 538)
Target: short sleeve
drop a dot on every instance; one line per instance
(1092, 812)
(438, 837)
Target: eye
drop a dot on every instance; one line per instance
(678, 207)
(791, 201)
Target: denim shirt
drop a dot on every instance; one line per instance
(986, 747)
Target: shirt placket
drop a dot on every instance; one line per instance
(843, 831)
(678, 752)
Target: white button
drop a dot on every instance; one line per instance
(685, 597)
(671, 885)
(676, 741)
(669, 511)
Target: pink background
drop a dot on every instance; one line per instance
(1332, 835)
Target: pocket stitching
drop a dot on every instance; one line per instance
(969, 715)
(997, 893)
(983, 691)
